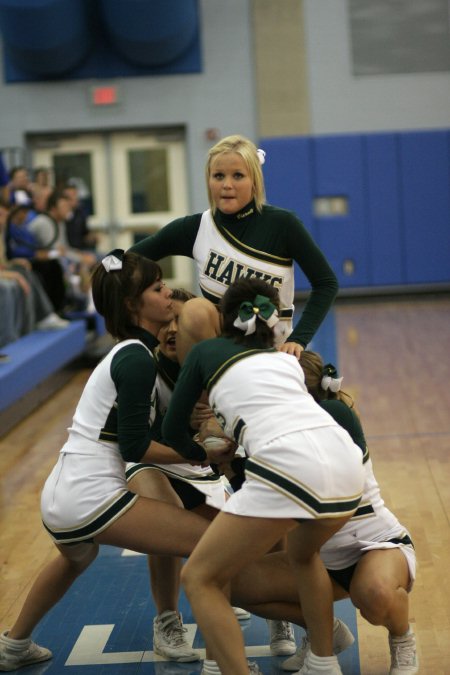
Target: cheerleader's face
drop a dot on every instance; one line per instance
(167, 336)
(155, 307)
(230, 183)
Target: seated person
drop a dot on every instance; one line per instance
(23, 243)
(37, 311)
(78, 234)
(64, 271)
(41, 187)
(19, 187)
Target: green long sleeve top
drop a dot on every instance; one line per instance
(134, 420)
(271, 235)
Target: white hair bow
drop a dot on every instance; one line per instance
(261, 155)
(332, 383)
(111, 263)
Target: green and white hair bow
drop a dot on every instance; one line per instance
(260, 308)
(330, 380)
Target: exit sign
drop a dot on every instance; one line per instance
(104, 96)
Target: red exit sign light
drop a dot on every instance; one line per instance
(104, 95)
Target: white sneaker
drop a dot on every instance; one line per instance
(241, 614)
(253, 669)
(282, 638)
(294, 663)
(403, 654)
(342, 639)
(17, 653)
(320, 665)
(169, 638)
(52, 322)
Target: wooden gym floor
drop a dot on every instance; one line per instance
(394, 355)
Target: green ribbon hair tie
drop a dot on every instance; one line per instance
(262, 308)
(330, 370)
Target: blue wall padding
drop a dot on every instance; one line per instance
(150, 33)
(425, 183)
(290, 158)
(338, 170)
(83, 39)
(35, 357)
(397, 229)
(45, 37)
(384, 211)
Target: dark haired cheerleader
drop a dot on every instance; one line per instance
(85, 501)
(304, 475)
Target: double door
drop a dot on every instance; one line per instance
(130, 183)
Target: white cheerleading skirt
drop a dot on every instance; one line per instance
(308, 474)
(83, 495)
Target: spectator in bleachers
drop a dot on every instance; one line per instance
(11, 309)
(78, 234)
(39, 249)
(25, 306)
(20, 186)
(4, 179)
(78, 263)
(65, 271)
(41, 187)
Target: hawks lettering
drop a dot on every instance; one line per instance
(226, 271)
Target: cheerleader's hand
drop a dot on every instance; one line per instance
(200, 414)
(293, 348)
(219, 450)
(210, 427)
(219, 447)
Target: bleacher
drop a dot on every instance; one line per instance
(36, 365)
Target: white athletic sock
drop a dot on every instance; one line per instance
(321, 662)
(210, 667)
(14, 645)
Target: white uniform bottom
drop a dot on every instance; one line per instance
(346, 547)
(83, 495)
(209, 485)
(309, 474)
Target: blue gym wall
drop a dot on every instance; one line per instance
(81, 39)
(397, 228)
(382, 141)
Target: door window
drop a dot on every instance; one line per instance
(131, 184)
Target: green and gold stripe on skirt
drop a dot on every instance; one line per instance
(88, 530)
(208, 479)
(310, 501)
